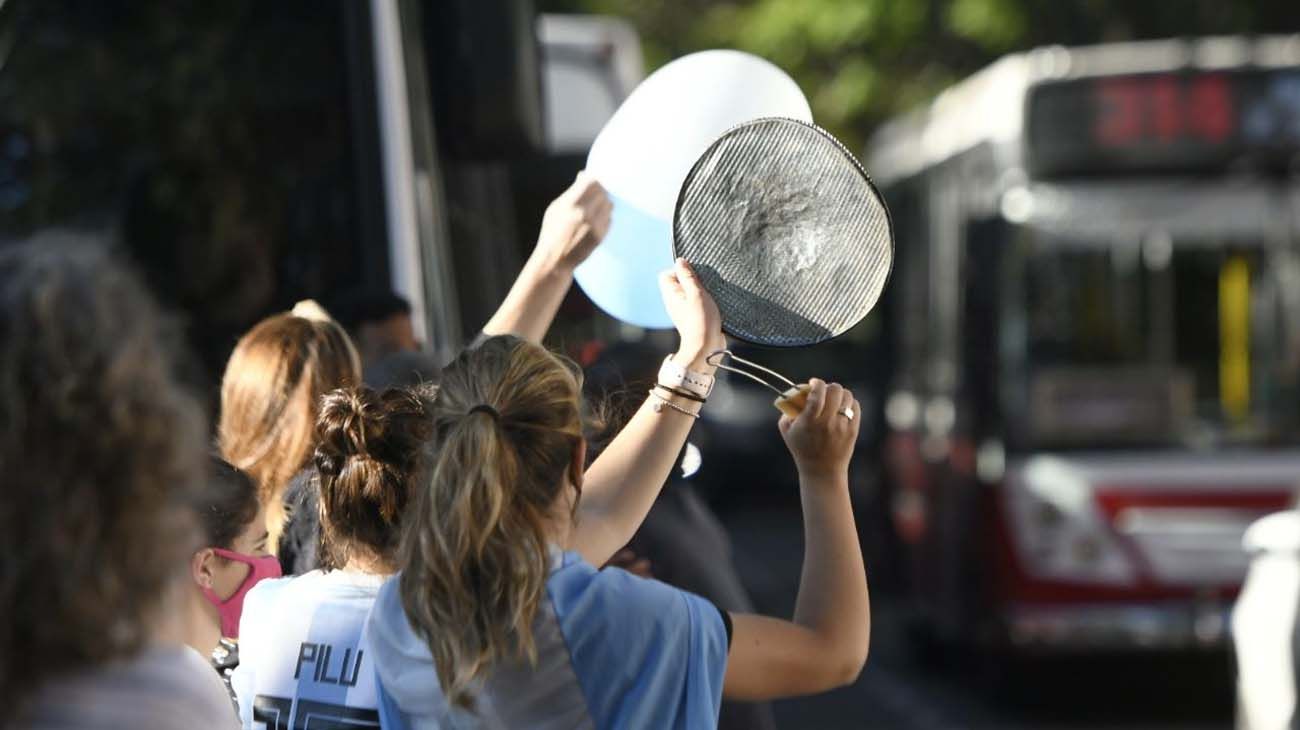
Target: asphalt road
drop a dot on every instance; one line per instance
(897, 690)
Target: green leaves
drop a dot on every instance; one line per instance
(995, 25)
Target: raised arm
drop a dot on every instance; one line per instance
(573, 226)
(825, 645)
(621, 485)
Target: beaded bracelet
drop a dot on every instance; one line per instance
(662, 401)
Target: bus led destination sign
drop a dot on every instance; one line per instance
(1167, 122)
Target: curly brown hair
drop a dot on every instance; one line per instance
(100, 449)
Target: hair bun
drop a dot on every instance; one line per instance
(369, 450)
(350, 419)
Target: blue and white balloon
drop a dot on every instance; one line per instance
(645, 151)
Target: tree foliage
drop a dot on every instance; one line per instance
(861, 61)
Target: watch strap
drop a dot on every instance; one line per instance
(675, 376)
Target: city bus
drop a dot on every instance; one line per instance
(1095, 318)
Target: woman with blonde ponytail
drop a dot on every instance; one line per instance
(498, 618)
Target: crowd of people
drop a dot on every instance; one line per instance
(366, 539)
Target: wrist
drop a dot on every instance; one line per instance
(694, 359)
(822, 478)
(543, 264)
(685, 378)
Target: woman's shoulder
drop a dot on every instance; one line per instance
(624, 632)
(613, 600)
(390, 594)
(387, 622)
(316, 585)
(576, 575)
(287, 584)
(270, 594)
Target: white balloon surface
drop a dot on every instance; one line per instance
(644, 153)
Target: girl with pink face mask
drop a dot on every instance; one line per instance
(233, 558)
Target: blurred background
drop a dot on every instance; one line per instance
(1084, 379)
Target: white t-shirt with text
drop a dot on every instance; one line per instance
(304, 654)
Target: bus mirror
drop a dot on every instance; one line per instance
(485, 78)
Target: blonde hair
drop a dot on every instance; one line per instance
(270, 398)
(475, 555)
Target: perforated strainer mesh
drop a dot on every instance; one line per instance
(786, 232)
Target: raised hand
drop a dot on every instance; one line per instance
(574, 224)
(821, 439)
(694, 314)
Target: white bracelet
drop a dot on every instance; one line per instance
(676, 376)
(661, 401)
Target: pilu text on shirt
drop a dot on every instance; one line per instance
(320, 657)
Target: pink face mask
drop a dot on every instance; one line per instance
(260, 568)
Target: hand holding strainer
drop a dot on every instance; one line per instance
(790, 400)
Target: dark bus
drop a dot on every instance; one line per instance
(1096, 322)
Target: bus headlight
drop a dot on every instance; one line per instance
(1057, 530)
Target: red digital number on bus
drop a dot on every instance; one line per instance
(1163, 109)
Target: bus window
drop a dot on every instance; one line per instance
(1124, 346)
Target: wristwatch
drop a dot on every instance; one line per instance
(675, 376)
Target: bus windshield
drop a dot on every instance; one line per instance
(1180, 343)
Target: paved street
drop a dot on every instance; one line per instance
(897, 691)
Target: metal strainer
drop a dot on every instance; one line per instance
(786, 231)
